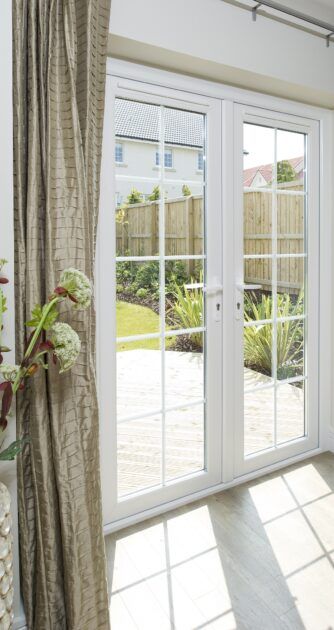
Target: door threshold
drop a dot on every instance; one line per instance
(195, 496)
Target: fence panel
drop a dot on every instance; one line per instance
(137, 233)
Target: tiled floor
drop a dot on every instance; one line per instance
(256, 557)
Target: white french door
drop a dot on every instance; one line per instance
(208, 293)
(277, 287)
(160, 365)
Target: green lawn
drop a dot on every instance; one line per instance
(133, 319)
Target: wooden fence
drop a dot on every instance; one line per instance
(137, 234)
(290, 238)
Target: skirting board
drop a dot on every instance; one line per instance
(331, 441)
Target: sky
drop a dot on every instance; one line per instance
(260, 143)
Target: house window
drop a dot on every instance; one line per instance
(200, 161)
(118, 152)
(168, 158)
(118, 199)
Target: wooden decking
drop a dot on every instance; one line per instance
(139, 391)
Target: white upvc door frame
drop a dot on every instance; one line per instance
(151, 80)
(279, 120)
(118, 508)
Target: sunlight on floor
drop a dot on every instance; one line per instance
(299, 527)
(256, 557)
(174, 567)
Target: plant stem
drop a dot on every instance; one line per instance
(36, 334)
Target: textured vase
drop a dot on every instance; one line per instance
(6, 561)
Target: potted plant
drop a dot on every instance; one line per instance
(48, 338)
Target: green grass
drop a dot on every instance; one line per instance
(133, 319)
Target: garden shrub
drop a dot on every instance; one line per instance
(258, 339)
(142, 293)
(175, 275)
(188, 310)
(147, 276)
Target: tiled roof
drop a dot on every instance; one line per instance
(266, 170)
(141, 121)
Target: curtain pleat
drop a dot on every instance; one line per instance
(59, 74)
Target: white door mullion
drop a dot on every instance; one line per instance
(162, 293)
(274, 285)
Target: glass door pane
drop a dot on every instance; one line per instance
(275, 207)
(160, 286)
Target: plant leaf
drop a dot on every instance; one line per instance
(39, 312)
(51, 317)
(36, 315)
(12, 450)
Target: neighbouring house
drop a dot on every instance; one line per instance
(138, 152)
(262, 175)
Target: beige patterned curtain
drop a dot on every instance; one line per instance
(59, 86)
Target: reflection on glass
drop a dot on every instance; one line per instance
(184, 370)
(138, 378)
(290, 412)
(184, 294)
(184, 441)
(138, 454)
(258, 420)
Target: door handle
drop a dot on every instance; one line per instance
(213, 290)
(209, 290)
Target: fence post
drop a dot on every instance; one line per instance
(190, 240)
(154, 248)
(125, 232)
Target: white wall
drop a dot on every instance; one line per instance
(218, 41)
(8, 469)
